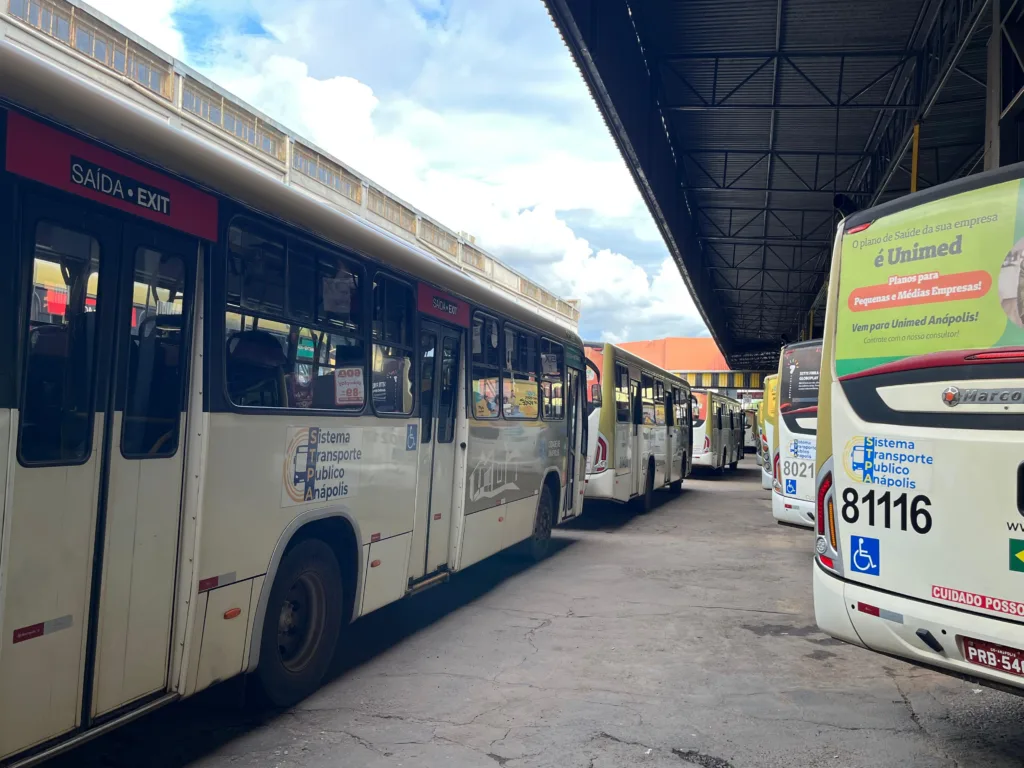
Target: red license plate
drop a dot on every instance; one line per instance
(994, 656)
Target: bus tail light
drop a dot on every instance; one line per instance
(776, 475)
(823, 489)
(601, 455)
(707, 443)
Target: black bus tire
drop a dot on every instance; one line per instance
(302, 623)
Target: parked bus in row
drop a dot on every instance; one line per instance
(234, 418)
(759, 415)
(639, 427)
(920, 545)
(770, 434)
(751, 435)
(717, 430)
(793, 462)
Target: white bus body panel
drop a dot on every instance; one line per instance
(795, 504)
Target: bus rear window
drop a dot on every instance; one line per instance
(593, 387)
(942, 276)
(800, 371)
(699, 406)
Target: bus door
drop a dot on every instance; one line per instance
(95, 488)
(576, 447)
(440, 371)
(637, 407)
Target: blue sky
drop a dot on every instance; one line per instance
(472, 110)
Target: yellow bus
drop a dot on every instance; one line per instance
(920, 480)
(769, 436)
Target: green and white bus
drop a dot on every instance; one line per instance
(639, 426)
(797, 429)
(920, 458)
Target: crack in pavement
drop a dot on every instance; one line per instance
(701, 759)
(934, 744)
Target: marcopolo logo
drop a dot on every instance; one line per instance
(889, 462)
(953, 396)
(320, 464)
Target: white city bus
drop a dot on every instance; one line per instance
(770, 434)
(920, 548)
(717, 430)
(642, 443)
(233, 418)
(751, 428)
(797, 429)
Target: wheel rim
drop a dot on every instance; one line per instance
(300, 622)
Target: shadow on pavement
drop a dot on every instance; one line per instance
(187, 731)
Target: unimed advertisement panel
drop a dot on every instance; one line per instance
(940, 276)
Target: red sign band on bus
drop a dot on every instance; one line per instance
(36, 151)
(927, 288)
(441, 305)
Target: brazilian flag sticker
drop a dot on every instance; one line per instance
(1017, 555)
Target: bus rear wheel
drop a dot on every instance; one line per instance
(302, 623)
(677, 485)
(539, 543)
(647, 500)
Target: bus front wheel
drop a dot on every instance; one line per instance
(302, 623)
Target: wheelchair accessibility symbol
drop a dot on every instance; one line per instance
(791, 487)
(864, 555)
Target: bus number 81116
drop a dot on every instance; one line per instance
(919, 514)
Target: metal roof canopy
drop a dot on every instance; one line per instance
(752, 126)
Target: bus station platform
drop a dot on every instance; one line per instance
(684, 637)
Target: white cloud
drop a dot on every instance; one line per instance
(483, 122)
(150, 19)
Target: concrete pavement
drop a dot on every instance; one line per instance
(681, 638)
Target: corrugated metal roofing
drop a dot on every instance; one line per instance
(773, 107)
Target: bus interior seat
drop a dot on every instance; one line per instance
(256, 366)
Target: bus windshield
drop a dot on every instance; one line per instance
(799, 387)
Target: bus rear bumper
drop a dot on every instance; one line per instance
(830, 606)
(787, 509)
(766, 479)
(889, 624)
(600, 485)
(705, 459)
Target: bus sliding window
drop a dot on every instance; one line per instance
(392, 364)
(552, 366)
(519, 375)
(56, 412)
(622, 403)
(485, 373)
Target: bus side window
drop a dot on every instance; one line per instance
(647, 395)
(294, 326)
(393, 307)
(552, 370)
(519, 375)
(659, 403)
(623, 407)
(485, 368)
(670, 399)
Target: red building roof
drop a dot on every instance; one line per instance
(680, 354)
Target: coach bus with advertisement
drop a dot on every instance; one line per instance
(234, 418)
(639, 427)
(920, 519)
(717, 430)
(770, 434)
(796, 434)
